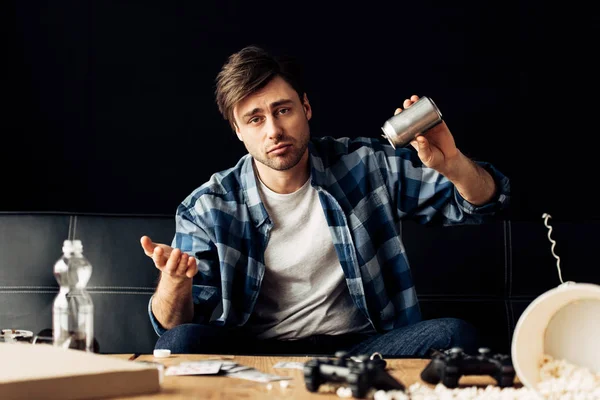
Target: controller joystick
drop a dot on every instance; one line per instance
(449, 366)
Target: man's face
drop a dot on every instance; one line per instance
(273, 124)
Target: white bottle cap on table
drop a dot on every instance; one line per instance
(162, 353)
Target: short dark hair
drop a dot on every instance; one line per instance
(248, 71)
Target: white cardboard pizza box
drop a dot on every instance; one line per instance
(46, 372)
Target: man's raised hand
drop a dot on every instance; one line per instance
(170, 261)
(437, 148)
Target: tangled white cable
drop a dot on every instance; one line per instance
(547, 216)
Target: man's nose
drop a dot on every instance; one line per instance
(274, 129)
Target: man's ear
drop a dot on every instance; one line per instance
(307, 107)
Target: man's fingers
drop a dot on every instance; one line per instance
(172, 262)
(409, 102)
(192, 267)
(414, 144)
(182, 265)
(158, 257)
(147, 245)
(178, 264)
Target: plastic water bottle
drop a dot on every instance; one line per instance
(73, 310)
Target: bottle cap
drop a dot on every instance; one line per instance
(67, 246)
(77, 245)
(71, 246)
(162, 353)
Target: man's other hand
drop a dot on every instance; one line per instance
(170, 261)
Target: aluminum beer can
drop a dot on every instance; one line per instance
(403, 127)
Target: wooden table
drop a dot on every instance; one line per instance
(406, 371)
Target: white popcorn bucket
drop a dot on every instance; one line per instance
(563, 323)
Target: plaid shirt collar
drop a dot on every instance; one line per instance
(258, 212)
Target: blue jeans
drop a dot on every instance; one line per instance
(415, 340)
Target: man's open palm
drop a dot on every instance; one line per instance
(170, 261)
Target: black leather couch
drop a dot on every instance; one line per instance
(486, 274)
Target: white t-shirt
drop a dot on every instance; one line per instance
(304, 291)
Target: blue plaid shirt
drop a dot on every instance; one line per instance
(366, 188)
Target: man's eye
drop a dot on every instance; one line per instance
(254, 120)
(284, 110)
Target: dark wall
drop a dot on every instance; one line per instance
(111, 105)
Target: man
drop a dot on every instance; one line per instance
(296, 249)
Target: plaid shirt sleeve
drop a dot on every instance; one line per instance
(426, 196)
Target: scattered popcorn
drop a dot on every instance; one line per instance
(345, 392)
(329, 387)
(565, 381)
(284, 383)
(419, 391)
(390, 395)
(269, 386)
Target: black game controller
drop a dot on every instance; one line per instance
(449, 366)
(359, 373)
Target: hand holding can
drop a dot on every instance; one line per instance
(415, 120)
